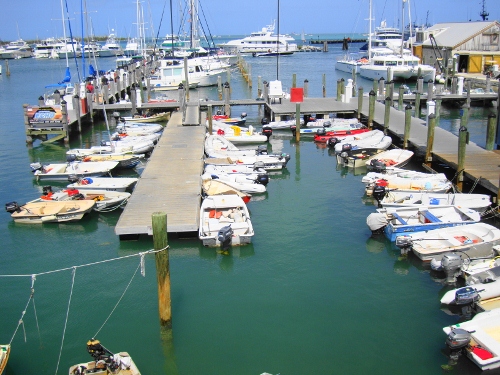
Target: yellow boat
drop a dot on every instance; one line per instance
(4, 356)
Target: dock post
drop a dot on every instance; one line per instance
(186, 77)
(182, 99)
(160, 241)
(265, 84)
(297, 122)
(339, 91)
(430, 90)
(90, 105)
(438, 101)
(488, 84)
(118, 88)
(400, 97)
(375, 85)
(228, 79)
(7, 69)
(105, 93)
(133, 99)
(406, 135)
(360, 102)
(306, 88)
(491, 131)
(454, 84)
(417, 105)
(381, 84)
(324, 85)
(148, 89)
(227, 98)
(210, 119)
(57, 97)
(77, 110)
(391, 92)
(29, 139)
(371, 108)
(259, 86)
(469, 87)
(431, 110)
(64, 115)
(463, 139)
(294, 80)
(354, 82)
(464, 115)
(325, 46)
(420, 85)
(342, 88)
(219, 86)
(430, 139)
(387, 114)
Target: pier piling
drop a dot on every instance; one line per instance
(490, 132)
(371, 108)
(406, 135)
(430, 139)
(387, 114)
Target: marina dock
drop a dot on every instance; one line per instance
(170, 183)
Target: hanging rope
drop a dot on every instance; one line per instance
(119, 300)
(33, 278)
(67, 315)
(90, 264)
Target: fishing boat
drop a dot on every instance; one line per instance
(102, 183)
(105, 362)
(4, 356)
(61, 171)
(394, 222)
(104, 200)
(375, 160)
(372, 140)
(478, 338)
(49, 211)
(224, 221)
(475, 240)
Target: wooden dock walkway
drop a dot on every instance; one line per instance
(170, 183)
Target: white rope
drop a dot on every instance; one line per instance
(143, 267)
(67, 315)
(24, 311)
(119, 300)
(89, 264)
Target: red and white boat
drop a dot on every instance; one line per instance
(323, 136)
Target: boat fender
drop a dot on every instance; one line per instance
(48, 218)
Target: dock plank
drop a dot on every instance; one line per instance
(170, 183)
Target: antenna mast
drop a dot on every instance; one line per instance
(484, 14)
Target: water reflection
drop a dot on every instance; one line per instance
(377, 244)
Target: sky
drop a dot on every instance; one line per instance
(36, 19)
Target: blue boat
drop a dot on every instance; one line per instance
(399, 221)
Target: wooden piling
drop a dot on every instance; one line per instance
(7, 69)
(342, 87)
(339, 91)
(420, 85)
(360, 102)
(160, 241)
(186, 78)
(406, 135)
(387, 114)
(297, 122)
(294, 80)
(417, 105)
(469, 87)
(324, 85)
(90, 105)
(306, 88)
(463, 138)
(430, 90)
(430, 139)
(64, 115)
(371, 108)
(133, 99)
(354, 82)
(375, 85)
(438, 101)
(259, 87)
(78, 111)
(219, 87)
(227, 98)
(29, 139)
(491, 131)
(400, 97)
(381, 84)
(210, 119)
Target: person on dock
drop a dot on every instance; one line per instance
(90, 87)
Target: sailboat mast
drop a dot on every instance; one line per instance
(278, 44)
(64, 33)
(370, 31)
(402, 25)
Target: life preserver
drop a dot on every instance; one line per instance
(87, 158)
(84, 181)
(221, 132)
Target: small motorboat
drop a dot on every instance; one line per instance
(61, 171)
(394, 222)
(376, 160)
(333, 122)
(157, 117)
(331, 126)
(102, 183)
(237, 135)
(218, 187)
(371, 140)
(230, 120)
(240, 182)
(138, 129)
(283, 124)
(49, 211)
(323, 136)
(475, 240)
(4, 356)
(105, 362)
(396, 198)
(225, 221)
(240, 169)
(125, 161)
(104, 200)
(477, 337)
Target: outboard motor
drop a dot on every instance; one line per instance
(465, 299)
(46, 190)
(293, 129)
(262, 179)
(404, 243)
(376, 222)
(96, 350)
(451, 264)
(346, 147)
(104, 143)
(70, 158)
(327, 124)
(262, 150)
(12, 207)
(258, 165)
(321, 131)
(218, 113)
(287, 158)
(332, 141)
(224, 236)
(264, 121)
(35, 167)
(376, 165)
(457, 340)
(73, 178)
(267, 131)
(378, 193)
(243, 115)
(345, 157)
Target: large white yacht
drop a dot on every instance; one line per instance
(261, 42)
(16, 50)
(46, 48)
(111, 47)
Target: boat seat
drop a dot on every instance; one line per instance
(429, 217)
(275, 91)
(399, 218)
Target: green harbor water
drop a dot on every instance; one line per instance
(313, 294)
